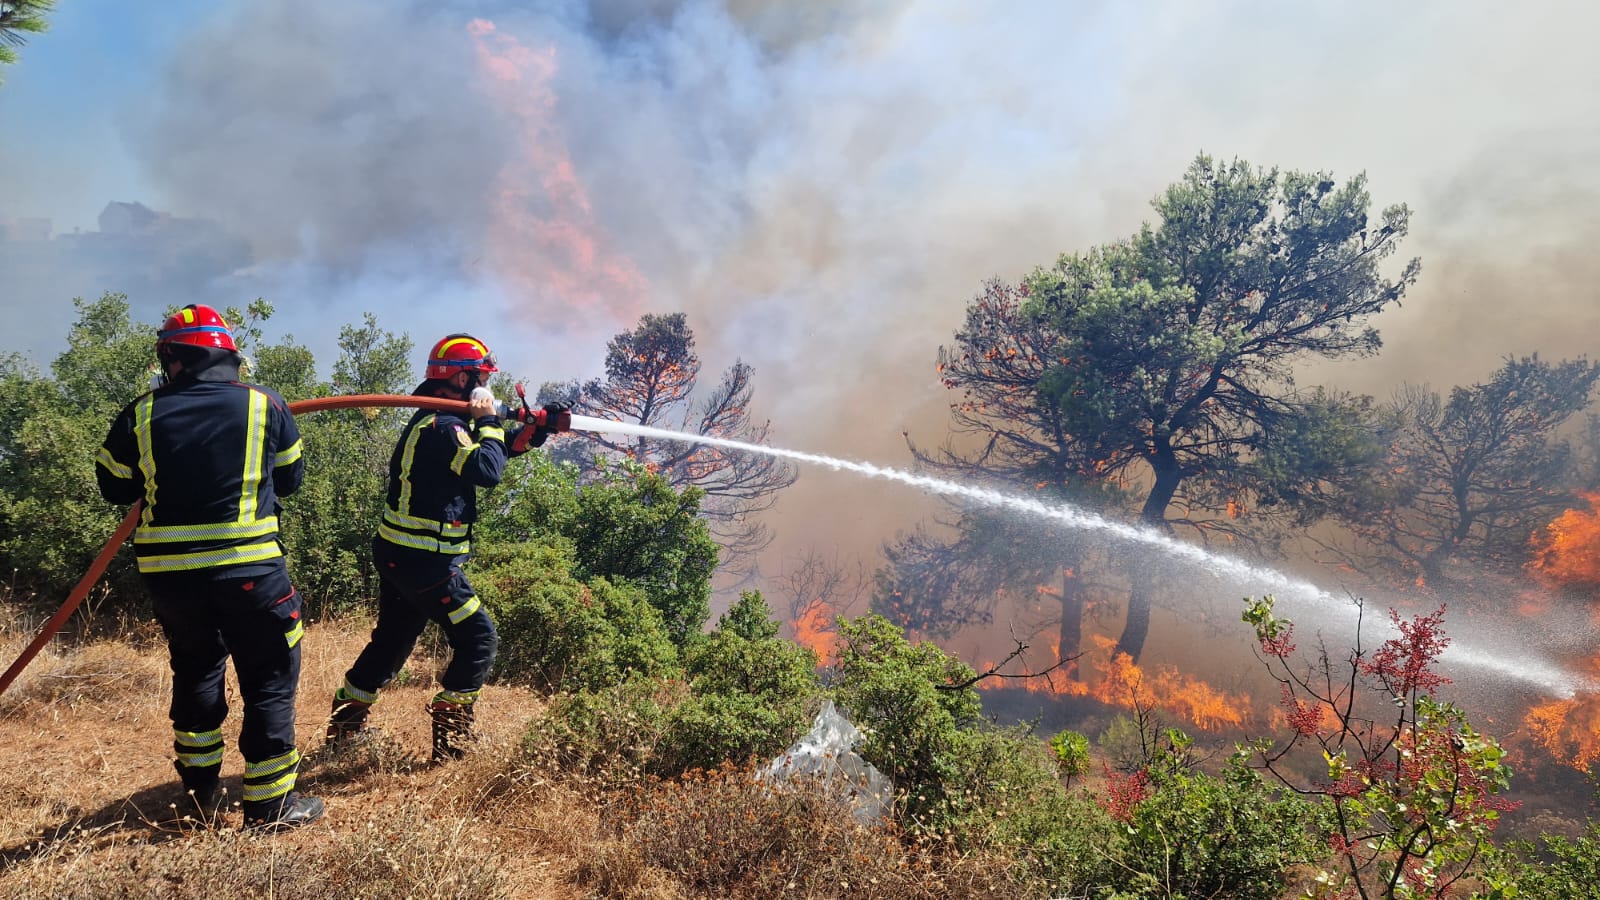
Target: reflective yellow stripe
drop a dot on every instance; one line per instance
(351, 692)
(417, 541)
(459, 698)
(287, 457)
(152, 534)
(467, 609)
(460, 459)
(445, 529)
(111, 465)
(269, 766)
(147, 460)
(176, 562)
(407, 458)
(255, 443)
(255, 793)
(492, 431)
(196, 738)
(201, 760)
(294, 634)
(477, 347)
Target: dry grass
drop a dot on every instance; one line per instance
(90, 807)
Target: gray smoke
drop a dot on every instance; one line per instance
(823, 187)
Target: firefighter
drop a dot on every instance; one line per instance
(425, 538)
(209, 456)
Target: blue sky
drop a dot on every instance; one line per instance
(61, 104)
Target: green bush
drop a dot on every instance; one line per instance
(1558, 868)
(610, 737)
(627, 526)
(559, 634)
(910, 705)
(749, 691)
(1071, 751)
(1197, 835)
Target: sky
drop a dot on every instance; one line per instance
(821, 187)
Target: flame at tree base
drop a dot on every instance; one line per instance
(1126, 685)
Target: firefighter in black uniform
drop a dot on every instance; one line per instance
(209, 457)
(425, 538)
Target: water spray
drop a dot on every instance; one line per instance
(1541, 674)
(1545, 676)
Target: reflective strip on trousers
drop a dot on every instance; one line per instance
(198, 749)
(271, 778)
(351, 692)
(462, 613)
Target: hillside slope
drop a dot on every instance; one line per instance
(90, 806)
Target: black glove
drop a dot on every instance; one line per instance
(557, 417)
(525, 438)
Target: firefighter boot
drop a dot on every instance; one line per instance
(203, 785)
(452, 728)
(347, 725)
(292, 810)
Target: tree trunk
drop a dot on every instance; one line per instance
(1072, 604)
(1140, 577)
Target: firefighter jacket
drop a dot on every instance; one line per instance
(209, 456)
(434, 474)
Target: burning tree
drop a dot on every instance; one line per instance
(1162, 364)
(651, 376)
(1003, 428)
(1474, 477)
(1177, 345)
(816, 590)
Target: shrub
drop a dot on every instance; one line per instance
(910, 703)
(723, 833)
(749, 691)
(1417, 791)
(611, 736)
(1558, 868)
(1071, 750)
(559, 634)
(1198, 835)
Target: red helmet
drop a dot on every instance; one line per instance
(459, 353)
(199, 326)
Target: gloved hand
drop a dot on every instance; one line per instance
(524, 438)
(557, 417)
(482, 403)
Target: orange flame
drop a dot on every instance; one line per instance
(1568, 729)
(1127, 686)
(814, 630)
(1568, 551)
(556, 258)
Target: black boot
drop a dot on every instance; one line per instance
(348, 723)
(452, 729)
(203, 785)
(281, 813)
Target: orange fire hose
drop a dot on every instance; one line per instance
(114, 543)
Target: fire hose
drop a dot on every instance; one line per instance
(114, 543)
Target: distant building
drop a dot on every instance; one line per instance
(127, 218)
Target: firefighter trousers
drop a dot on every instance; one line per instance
(209, 615)
(417, 587)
